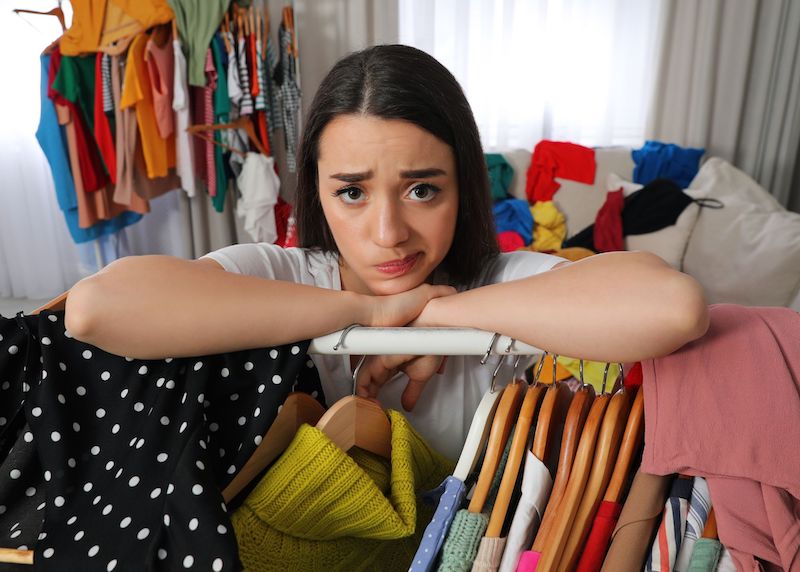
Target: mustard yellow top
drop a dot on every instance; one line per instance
(318, 508)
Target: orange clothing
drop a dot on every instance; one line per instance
(159, 153)
(87, 24)
(149, 13)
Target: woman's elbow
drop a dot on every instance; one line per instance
(79, 312)
(689, 308)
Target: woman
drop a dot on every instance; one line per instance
(395, 221)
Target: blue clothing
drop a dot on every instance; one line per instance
(514, 214)
(53, 142)
(657, 160)
(449, 494)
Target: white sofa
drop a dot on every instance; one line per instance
(747, 252)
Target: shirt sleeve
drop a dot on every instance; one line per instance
(263, 260)
(516, 265)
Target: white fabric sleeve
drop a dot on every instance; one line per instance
(263, 260)
(515, 265)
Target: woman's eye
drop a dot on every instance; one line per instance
(424, 193)
(350, 195)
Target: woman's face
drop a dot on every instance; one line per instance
(389, 193)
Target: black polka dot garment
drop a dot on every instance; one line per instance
(130, 455)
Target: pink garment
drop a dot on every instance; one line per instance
(607, 234)
(727, 407)
(161, 69)
(509, 241)
(528, 561)
(551, 159)
(208, 109)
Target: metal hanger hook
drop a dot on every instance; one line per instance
(489, 349)
(344, 333)
(580, 363)
(605, 378)
(355, 372)
(538, 371)
(555, 360)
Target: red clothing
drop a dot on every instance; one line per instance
(102, 127)
(600, 537)
(509, 241)
(553, 159)
(634, 377)
(286, 235)
(93, 175)
(607, 234)
(726, 407)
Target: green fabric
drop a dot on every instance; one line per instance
(197, 20)
(461, 545)
(500, 175)
(705, 555)
(222, 107)
(75, 81)
(318, 508)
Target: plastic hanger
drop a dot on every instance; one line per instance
(299, 408)
(516, 455)
(631, 440)
(504, 418)
(57, 12)
(241, 123)
(605, 454)
(480, 425)
(573, 427)
(358, 422)
(568, 507)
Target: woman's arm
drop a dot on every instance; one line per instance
(619, 307)
(152, 307)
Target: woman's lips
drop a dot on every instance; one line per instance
(398, 267)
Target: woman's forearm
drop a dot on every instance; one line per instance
(152, 307)
(619, 307)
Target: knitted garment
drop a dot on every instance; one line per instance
(318, 508)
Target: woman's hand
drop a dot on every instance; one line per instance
(378, 370)
(400, 309)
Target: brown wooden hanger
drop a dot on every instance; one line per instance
(548, 419)
(57, 12)
(504, 418)
(573, 427)
(299, 408)
(631, 440)
(241, 123)
(578, 476)
(516, 458)
(605, 454)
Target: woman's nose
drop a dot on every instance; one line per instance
(390, 227)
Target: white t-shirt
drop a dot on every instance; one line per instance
(444, 412)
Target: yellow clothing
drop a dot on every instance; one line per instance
(567, 367)
(318, 508)
(159, 154)
(550, 227)
(148, 13)
(574, 253)
(87, 24)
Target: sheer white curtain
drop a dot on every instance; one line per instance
(576, 70)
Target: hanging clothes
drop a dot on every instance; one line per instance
(754, 479)
(103, 127)
(500, 175)
(670, 533)
(221, 114)
(551, 159)
(259, 186)
(52, 139)
(133, 453)
(599, 537)
(288, 95)
(160, 62)
(447, 497)
(705, 555)
(699, 507)
(657, 160)
(197, 22)
(184, 144)
(159, 152)
(300, 515)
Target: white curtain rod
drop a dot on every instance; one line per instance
(418, 341)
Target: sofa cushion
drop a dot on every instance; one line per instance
(747, 252)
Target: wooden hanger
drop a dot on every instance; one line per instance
(568, 507)
(501, 427)
(358, 422)
(57, 12)
(298, 408)
(57, 304)
(241, 123)
(605, 454)
(573, 427)
(548, 421)
(631, 440)
(516, 459)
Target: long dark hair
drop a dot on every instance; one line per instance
(401, 82)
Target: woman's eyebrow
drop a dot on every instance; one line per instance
(410, 174)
